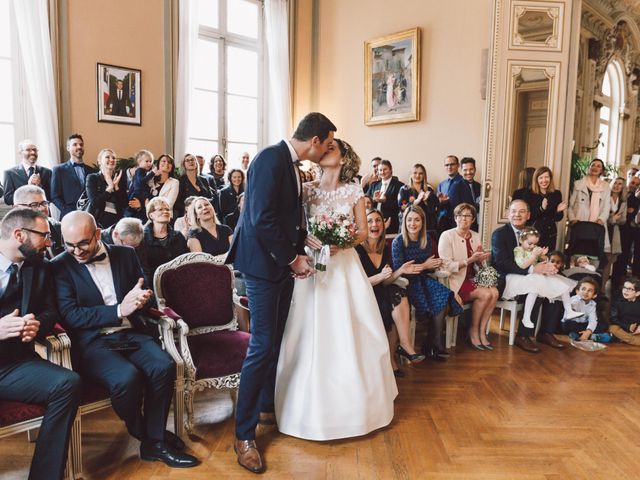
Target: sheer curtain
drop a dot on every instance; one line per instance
(34, 46)
(188, 36)
(277, 37)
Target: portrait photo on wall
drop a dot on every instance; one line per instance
(392, 78)
(119, 95)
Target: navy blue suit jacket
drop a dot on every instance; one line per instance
(66, 187)
(269, 235)
(458, 192)
(16, 177)
(503, 241)
(79, 300)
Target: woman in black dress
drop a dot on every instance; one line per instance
(163, 242)
(546, 207)
(418, 192)
(192, 184)
(106, 190)
(217, 169)
(229, 194)
(206, 233)
(391, 298)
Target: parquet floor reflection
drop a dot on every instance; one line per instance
(499, 415)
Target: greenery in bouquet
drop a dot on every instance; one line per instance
(333, 229)
(487, 276)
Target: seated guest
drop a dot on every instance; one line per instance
(101, 297)
(107, 190)
(417, 192)
(229, 194)
(428, 296)
(583, 301)
(27, 173)
(504, 240)
(164, 185)
(192, 184)
(206, 233)
(462, 248)
(163, 242)
(217, 169)
(391, 298)
(182, 224)
(384, 194)
(130, 233)
(231, 220)
(625, 313)
(34, 198)
(28, 309)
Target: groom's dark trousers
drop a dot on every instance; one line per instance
(265, 243)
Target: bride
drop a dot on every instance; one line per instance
(334, 377)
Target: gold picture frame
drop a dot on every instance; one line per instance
(392, 78)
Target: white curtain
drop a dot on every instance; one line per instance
(277, 36)
(188, 36)
(34, 45)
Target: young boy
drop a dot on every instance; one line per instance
(582, 327)
(140, 188)
(625, 313)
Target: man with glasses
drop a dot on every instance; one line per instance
(34, 197)
(384, 194)
(27, 173)
(450, 193)
(28, 309)
(101, 297)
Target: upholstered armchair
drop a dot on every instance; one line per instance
(197, 291)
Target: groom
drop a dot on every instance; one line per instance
(268, 248)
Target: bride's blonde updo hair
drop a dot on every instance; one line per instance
(351, 159)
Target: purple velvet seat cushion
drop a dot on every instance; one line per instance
(218, 354)
(16, 412)
(200, 293)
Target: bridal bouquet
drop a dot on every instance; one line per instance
(331, 229)
(487, 276)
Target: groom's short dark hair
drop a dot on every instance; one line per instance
(314, 124)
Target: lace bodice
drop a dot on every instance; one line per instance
(341, 200)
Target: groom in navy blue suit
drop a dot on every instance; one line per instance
(268, 248)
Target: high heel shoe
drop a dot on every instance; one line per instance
(488, 346)
(478, 346)
(413, 358)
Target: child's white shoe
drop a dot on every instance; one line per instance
(527, 322)
(571, 314)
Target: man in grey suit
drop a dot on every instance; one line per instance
(27, 173)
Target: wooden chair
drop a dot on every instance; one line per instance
(197, 291)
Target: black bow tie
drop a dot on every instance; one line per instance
(97, 258)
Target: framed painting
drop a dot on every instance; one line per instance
(119, 94)
(392, 78)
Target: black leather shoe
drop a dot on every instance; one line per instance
(161, 451)
(399, 373)
(174, 441)
(415, 358)
(475, 346)
(433, 354)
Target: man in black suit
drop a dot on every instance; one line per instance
(34, 198)
(27, 309)
(100, 296)
(268, 248)
(119, 103)
(384, 194)
(68, 179)
(503, 241)
(27, 173)
(471, 192)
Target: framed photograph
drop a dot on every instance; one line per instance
(392, 78)
(119, 94)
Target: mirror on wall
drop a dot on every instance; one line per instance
(535, 26)
(528, 145)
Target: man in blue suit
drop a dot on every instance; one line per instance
(68, 179)
(268, 248)
(472, 189)
(27, 173)
(450, 193)
(100, 295)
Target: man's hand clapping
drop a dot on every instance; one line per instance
(135, 299)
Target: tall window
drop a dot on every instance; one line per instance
(610, 128)
(226, 103)
(7, 116)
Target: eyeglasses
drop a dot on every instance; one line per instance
(81, 245)
(464, 215)
(45, 235)
(449, 165)
(629, 289)
(35, 205)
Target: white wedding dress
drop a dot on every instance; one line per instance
(334, 377)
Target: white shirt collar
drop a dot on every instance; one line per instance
(5, 263)
(294, 155)
(27, 167)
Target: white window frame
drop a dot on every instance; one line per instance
(615, 103)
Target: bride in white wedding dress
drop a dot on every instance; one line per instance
(334, 377)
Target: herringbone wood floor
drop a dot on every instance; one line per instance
(499, 415)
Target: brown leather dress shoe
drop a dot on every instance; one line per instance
(526, 344)
(248, 455)
(552, 341)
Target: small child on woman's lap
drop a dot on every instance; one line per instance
(583, 302)
(534, 285)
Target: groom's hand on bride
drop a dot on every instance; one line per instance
(312, 242)
(301, 267)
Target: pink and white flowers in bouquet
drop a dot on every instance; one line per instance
(331, 229)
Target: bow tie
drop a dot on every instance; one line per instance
(97, 258)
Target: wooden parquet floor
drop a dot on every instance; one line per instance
(499, 415)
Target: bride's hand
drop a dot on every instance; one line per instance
(313, 242)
